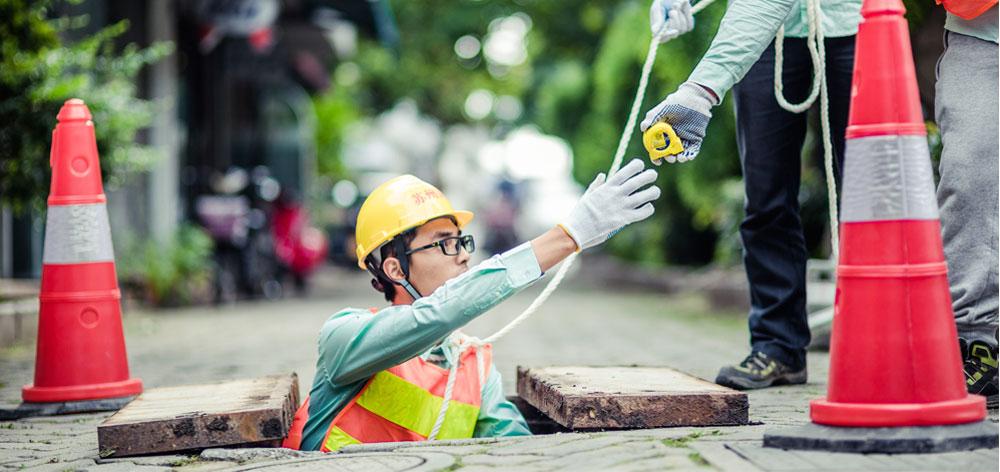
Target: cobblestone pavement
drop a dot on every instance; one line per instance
(582, 324)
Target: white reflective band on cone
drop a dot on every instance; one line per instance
(77, 233)
(888, 178)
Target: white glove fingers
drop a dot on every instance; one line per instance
(626, 172)
(598, 181)
(642, 179)
(644, 196)
(641, 213)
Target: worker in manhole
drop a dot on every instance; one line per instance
(403, 372)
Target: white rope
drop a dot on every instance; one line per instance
(815, 43)
(449, 386)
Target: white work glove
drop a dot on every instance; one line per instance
(687, 110)
(607, 207)
(674, 17)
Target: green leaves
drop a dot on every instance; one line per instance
(38, 73)
(176, 272)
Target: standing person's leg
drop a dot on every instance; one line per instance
(774, 253)
(966, 111)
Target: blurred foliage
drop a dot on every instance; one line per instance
(334, 111)
(39, 71)
(584, 60)
(175, 272)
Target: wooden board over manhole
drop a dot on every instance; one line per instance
(629, 397)
(241, 412)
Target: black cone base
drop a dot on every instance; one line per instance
(29, 409)
(912, 439)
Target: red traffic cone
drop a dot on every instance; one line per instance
(896, 381)
(894, 349)
(81, 348)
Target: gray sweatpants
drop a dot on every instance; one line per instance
(966, 111)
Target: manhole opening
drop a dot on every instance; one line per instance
(538, 422)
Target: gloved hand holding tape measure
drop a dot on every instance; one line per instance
(686, 112)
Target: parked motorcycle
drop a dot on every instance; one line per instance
(237, 215)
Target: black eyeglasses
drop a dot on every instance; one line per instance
(449, 246)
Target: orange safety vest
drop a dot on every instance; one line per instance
(403, 402)
(967, 9)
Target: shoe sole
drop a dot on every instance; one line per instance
(742, 383)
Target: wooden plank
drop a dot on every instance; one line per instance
(241, 412)
(629, 397)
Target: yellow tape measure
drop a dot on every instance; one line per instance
(661, 141)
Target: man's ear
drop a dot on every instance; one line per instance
(392, 268)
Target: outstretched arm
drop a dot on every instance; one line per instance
(356, 344)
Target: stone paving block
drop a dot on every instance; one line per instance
(61, 466)
(42, 458)
(604, 458)
(411, 462)
(629, 397)
(33, 446)
(537, 444)
(478, 468)
(251, 454)
(211, 466)
(162, 461)
(13, 459)
(769, 459)
(453, 450)
(721, 457)
(500, 461)
(587, 443)
(393, 446)
(673, 463)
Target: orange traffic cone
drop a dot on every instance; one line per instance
(81, 347)
(894, 356)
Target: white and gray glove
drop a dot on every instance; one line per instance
(607, 207)
(687, 110)
(674, 17)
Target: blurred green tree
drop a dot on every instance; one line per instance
(39, 71)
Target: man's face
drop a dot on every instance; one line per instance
(431, 268)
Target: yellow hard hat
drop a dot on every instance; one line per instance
(398, 205)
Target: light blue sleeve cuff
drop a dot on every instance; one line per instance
(522, 266)
(717, 77)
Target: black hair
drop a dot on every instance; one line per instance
(381, 282)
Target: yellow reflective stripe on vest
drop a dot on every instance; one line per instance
(416, 409)
(337, 439)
